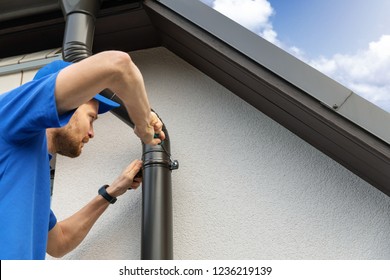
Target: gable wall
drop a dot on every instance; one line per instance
(247, 188)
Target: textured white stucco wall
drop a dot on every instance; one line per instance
(247, 188)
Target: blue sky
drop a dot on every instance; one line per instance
(327, 27)
(348, 40)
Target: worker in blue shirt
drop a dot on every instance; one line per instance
(54, 113)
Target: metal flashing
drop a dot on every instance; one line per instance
(29, 62)
(367, 115)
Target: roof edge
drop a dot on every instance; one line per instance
(326, 90)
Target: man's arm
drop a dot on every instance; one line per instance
(69, 233)
(81, 81)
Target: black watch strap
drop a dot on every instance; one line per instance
(102, 191)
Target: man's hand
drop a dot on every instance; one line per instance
(69, 233)
(126, 180)
(154, 127)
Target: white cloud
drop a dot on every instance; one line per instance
(367, 72)
(252, 14)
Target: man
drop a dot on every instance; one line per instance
(69, 141)
(36, 119)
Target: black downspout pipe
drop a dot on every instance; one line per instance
(157, 238)
(80, 16)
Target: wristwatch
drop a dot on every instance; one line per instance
(102, 191)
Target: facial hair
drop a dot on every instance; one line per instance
(67, 142)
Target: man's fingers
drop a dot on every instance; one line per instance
(133, 168)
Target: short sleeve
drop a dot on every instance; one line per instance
(29, 109)
(52, 220)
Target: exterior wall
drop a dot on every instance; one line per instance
(247, 188)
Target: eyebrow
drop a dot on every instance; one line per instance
(93, 115)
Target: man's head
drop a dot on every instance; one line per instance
(70, 139)
(105, 104)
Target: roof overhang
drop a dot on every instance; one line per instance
(194, 32)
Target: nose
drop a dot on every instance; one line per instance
(91, 132)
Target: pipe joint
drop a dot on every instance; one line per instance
(75, 51)
(159, 156)
(151, 162)
(78, 37)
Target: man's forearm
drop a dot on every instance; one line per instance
(69, 233)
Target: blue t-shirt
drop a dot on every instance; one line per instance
(25, 113)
